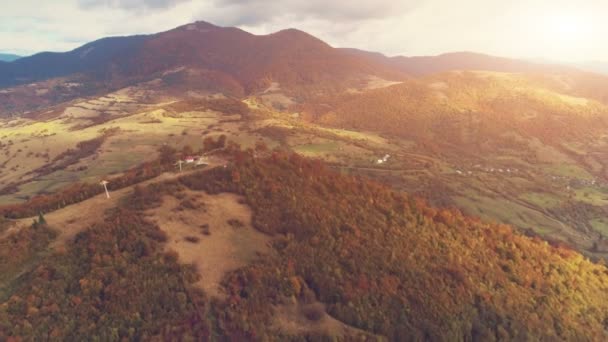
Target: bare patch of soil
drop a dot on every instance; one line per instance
(202, 235)
(295, 317)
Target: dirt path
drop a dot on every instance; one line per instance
(74, 218)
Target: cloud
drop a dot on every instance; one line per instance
(255, 12)
(136, 5)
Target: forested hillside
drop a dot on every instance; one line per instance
(381, 261)
(194, 57)
(461, 106)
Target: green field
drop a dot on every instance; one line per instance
(600, 225)
(317, 149)
(593, 196)
(542, 200)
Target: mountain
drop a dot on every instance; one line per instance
(208, 58)
(8, 57)
(599, 67)
(95, 58)
(468, 61)
(195, 57)
(425, 65)
(290, 57)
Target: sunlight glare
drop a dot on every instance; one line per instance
(566, 28)
(562, 35)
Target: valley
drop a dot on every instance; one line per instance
(557, 191)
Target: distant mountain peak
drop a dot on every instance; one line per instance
(4, 57)
(293, 36)
(201, 26)
(233, 60)
(202, 23)
(294, 33)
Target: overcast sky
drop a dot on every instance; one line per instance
(557, 30)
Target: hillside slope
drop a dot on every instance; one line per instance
(379, 260)
(453, 104)
(512, 147)
(96, 58)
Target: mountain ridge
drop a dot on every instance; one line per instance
(8, 57)
(460, 60)
(204, 39)
(123, 56)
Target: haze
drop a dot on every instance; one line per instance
(553, 30)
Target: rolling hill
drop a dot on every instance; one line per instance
(374, 262)
(502, 139)
(474, 102)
